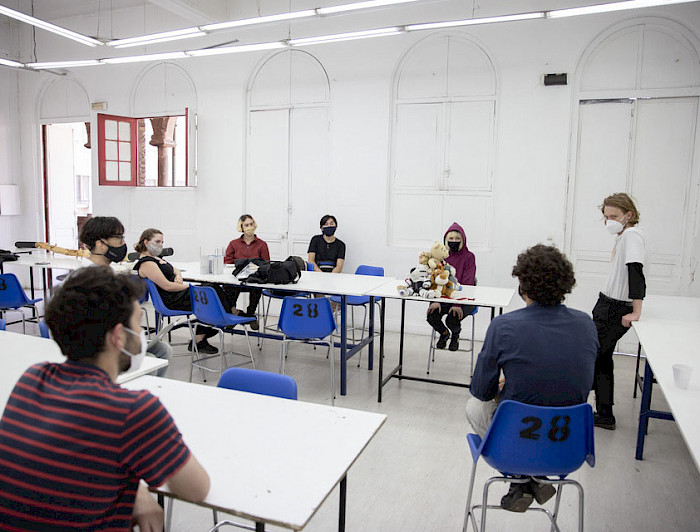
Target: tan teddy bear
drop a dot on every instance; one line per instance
(436, 256)
(441, 283)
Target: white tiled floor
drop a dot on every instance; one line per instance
(413, 476)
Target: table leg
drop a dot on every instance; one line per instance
(343, 345)
(341, 511)
(259, 526)
(370, 332)
(381, 351)
(644, 410)
(31, 281)
(636, 371)
(403, 321)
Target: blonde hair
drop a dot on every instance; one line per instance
(243, 218)
(148, 234)
(623, 202)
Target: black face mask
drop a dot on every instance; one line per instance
(115, 254)
(454, 246)
(328, 231)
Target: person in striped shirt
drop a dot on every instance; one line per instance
(77, 451)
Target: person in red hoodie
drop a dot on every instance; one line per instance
(248, 246)
(464, 264)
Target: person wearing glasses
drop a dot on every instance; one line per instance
(104, 237)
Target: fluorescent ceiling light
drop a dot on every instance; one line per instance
(346, 36)
(157, 37)
(237, 49)
(148, 57)
(17, 15)
(64, 64)
(474, 21)
(259, 20)
(615, 6)
(360, 5)
(10, 63)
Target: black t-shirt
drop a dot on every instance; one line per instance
(327, 254)
(172, 300)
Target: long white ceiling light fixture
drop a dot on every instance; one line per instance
(395, 30)
(17, 15)
(165, 36)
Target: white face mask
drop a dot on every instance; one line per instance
(613, 227)
(154, 249)
(136, 358)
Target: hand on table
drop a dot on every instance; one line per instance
(627, 319)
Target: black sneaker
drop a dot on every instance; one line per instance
(542, 492)
(518, 499)
(206, 348)
(254, 325)
(454, 343)
(442, 341)
(604, 422)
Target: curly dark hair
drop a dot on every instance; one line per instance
(98, 228)
(87, 305)
(545, 274)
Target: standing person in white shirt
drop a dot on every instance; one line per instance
(620, 303)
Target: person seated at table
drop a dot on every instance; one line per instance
(464, 264)
(104, 237)
(78, 450)
(326, 251)
(546, 352)
(248, 246)
(173, 290)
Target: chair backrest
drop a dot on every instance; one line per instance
(207, 306)
(539, 440)
(260, 382)
(11, 293)
(157, 301)
(363, 269)
(302, 317)
(44, 329)
(2, 325)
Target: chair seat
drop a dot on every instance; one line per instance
(229, 320)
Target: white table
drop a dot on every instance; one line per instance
(47, 262)
(480, 296)
(667, 342)
(340, 284)
(270, 460)
(19, 351)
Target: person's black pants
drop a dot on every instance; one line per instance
(454, 324)
(253, 298)
(607, 316)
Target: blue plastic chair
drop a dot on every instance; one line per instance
(2, 325)
(360, 301)
(260, 382)
(162, 311)
(44, 330)
(208, 309)
(308, 320)
(12, 297)
(533, 441)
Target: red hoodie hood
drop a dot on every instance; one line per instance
(463, 261)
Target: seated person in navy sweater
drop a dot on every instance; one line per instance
(326, 251)
(545, 351)
(248, 246)
(77, 449)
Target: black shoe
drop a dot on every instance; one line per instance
(254, 325)
(454, 342)
(442, 341)
(604, 422)
(203, 347)
(542, 492)
(518, 499)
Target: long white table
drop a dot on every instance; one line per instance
(666, 342)
(340, 284)
(270, 460)
(480, 296)
(46, 262)
(19, 351)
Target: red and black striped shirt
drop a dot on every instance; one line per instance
(73, 446)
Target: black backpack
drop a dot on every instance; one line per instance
(278, 272)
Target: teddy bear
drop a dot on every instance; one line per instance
(417, 283)
(441, 284)
(436, 256)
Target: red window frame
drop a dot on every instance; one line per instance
(101, 143)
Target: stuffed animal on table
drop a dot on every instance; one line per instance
(441, 284)
(435, 257)
(417, 283)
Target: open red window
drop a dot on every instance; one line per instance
(144, 152)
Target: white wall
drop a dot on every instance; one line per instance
(532, 153)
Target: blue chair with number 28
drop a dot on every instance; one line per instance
(526, 441)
